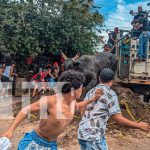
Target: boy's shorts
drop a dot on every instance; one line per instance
(32, 141)
(93, 145)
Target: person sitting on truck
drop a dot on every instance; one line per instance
(126, 41)
(107, 48)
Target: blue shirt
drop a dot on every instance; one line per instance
(7, 71)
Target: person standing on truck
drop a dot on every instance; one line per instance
(107, 48)
(143, 39)
(113, 39)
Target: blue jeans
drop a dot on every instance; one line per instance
(143, 44)
(32, 141)
(93, 145)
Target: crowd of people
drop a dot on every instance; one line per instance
(42, 77)
(99, 105)
(46, 78)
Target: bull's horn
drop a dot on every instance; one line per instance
(76, 57)
(64, 56)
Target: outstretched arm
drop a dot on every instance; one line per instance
(81, 106)
(35, 107)
(125, 122)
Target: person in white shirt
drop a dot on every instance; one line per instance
(91, 132)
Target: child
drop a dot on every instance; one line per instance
(38, 81)
(50, 78)
(60, 112)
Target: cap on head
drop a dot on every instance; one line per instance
(106, 75)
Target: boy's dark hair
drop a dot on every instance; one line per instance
(72, 79)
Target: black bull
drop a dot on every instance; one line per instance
(90, 66)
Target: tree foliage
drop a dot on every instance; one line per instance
(28, 28)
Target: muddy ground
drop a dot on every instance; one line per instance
(123, 139)
(118, 138)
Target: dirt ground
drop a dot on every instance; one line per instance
(117, 139)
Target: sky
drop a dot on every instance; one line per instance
(116, 12)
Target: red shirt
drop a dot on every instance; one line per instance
(39, 77)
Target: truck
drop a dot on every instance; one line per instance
(130, 72)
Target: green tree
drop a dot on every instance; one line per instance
(48, 25)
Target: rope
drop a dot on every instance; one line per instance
(77, 117)
(130, 114)
(33, 116)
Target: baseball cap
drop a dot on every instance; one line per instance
(106, 75)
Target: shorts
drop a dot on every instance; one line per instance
(32, 141)
(93, 145)
(5, 81)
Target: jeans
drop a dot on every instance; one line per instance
(93, 145)
(143, 44)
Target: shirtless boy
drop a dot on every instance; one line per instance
(44, 136)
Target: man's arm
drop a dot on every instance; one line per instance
(81, 106)
(35, 107)
(125, 122)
